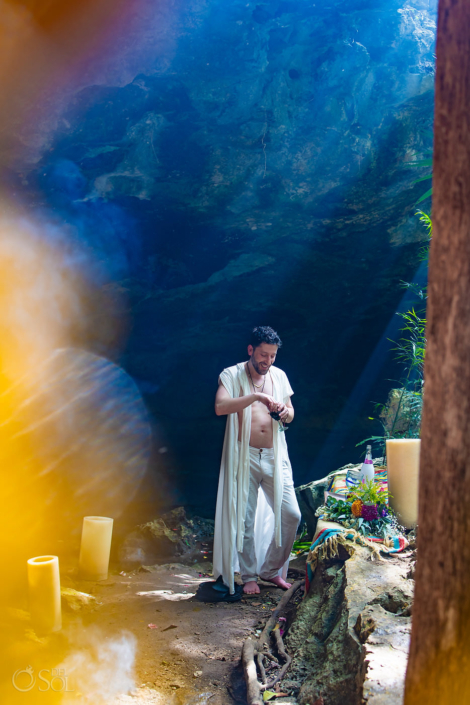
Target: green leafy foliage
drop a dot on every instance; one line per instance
(425, 195)
(425, 219)
(302, 544)
(370, 492)
(340, 511)
(381, 527)
(411, 348)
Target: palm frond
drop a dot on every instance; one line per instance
(420, 163)
(423, 178)
(425, 196)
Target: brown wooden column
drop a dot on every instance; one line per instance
(439, 665)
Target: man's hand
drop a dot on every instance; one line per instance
(267, 400)
(283, 412)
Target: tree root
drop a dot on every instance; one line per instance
(259, 649)
(282, 651)
(259, 661)
(253, 692)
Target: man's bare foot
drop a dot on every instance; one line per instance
(251, 588)
(278, 581)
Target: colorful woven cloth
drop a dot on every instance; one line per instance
(340, 485)
(327, 542)
(337, 486)
(392, 544)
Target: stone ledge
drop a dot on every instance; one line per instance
(349, 637)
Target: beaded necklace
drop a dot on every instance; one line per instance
(255, 385)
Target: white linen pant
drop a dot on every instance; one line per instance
(262, 475)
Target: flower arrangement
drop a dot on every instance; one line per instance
(369, 492)
(366, 510)
(356, 508)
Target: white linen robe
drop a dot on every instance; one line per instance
(234, 481)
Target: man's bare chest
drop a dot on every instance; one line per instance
(266, 386)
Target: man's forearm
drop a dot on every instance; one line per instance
(232, 406)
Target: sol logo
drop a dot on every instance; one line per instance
(51, 679)
(22, 684)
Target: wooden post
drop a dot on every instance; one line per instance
(438, 670)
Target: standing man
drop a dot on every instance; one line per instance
(257, 514)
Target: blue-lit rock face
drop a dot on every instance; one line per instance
(254, 173)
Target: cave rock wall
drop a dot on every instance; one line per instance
(235, 164)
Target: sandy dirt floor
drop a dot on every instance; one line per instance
(193, 653)
(145, 640)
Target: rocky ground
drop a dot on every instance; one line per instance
(349, 637)
(147, 640)
(191, 651)
(186, 651)
(142, 637)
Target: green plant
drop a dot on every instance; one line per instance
(427, 222)
(338, 508)
(383, 526)
(369, 492)
(411, 347)
(340, 511)
(428, 163)
(302, 544)
(400, 416)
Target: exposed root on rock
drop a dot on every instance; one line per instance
(253, 690)
(259, 661)
(282, 652)
(255, 651)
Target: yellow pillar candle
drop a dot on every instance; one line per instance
(44, 594)
(95, 547)
(403, 473)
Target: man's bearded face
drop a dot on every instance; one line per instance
(262, 357)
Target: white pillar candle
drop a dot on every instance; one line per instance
(403, 473)
(95, 547)
(44, 594)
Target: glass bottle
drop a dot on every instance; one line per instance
(367, 469)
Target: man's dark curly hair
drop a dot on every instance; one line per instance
(264, 334)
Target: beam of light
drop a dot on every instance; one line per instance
(158, 595)
(363, 385)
